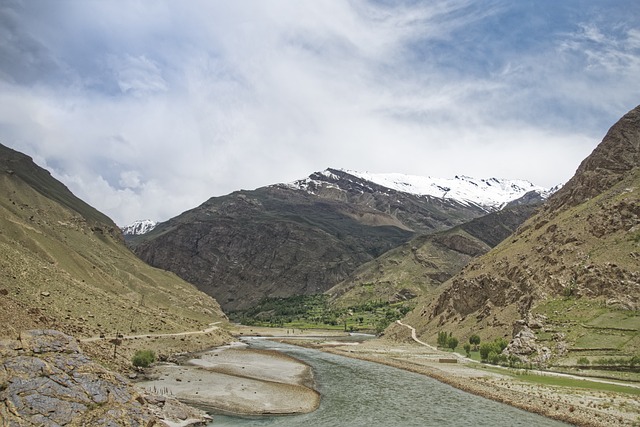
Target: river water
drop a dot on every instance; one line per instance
(357, 393)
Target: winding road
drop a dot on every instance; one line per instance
(212, 327)
(414, 336)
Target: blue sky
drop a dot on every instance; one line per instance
(146, 109)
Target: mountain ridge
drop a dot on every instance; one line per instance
(459, 190)
(293, 239)
(491, 194)
(420, 266)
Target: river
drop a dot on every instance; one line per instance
(357, 393)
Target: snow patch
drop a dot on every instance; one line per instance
(139, 227)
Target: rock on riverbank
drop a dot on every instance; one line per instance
(45, 380)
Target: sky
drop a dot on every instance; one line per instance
(146, 109)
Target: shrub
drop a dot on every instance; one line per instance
(583, 361)
(501, 343)
(513, 360)
(143, 358)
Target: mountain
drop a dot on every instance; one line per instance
(138, 227)
(303, 237)
(569, 278)
(490, 194)
(420, 266)
(64, 266)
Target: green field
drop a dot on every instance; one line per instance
(315, 312)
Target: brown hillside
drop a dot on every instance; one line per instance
(571, 273)
(64, 266)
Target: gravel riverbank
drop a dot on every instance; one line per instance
(237, 380)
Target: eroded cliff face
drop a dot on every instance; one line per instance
(45, 380)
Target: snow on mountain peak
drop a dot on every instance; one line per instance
(138, 227)
(490, 193)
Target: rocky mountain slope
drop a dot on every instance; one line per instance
(569, 277)
(294, 239)
(420, 266)
(64, 266)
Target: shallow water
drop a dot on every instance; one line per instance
(363, 394)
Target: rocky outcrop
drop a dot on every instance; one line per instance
(525, 345)
(45, 380)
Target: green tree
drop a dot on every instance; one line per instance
(452, 342)
(443, 337)
(143, 358)
(474, 340)
(501, 344)
(467, 349)
(485, 349)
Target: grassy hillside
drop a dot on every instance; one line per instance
(420, 266)
(63, 265)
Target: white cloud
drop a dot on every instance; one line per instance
(147, 112)
(137, 75)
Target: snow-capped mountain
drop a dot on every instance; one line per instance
(138, 227)
(491, 194)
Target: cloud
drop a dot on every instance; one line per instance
(147, 112)
(137, 75)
